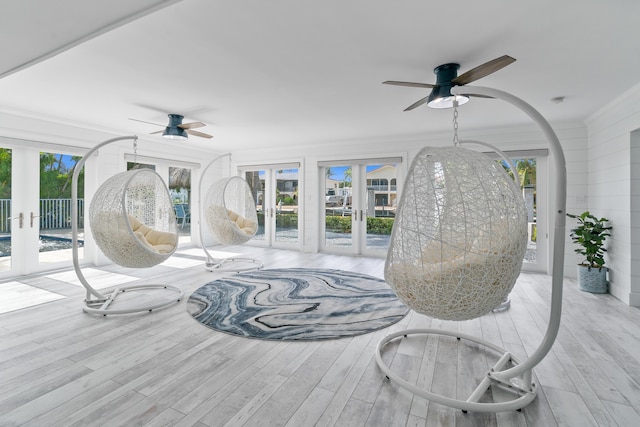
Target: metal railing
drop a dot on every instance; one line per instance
(5, 215)
(384, 187)
(54, 214)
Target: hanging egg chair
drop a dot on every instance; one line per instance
(459, 236)
(230, 211)
(456, 249)
(132, 219)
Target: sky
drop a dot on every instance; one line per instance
(66, 159)
(337, 172)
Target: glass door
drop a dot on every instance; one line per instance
(359, 205)
(275, 191)
(532, 172)
(180, 191)
(35, 214)
(339, 216)
(6, 219)
(380, 202)
(531, 166)
(256, 180)
(53, 216)
(286, 206)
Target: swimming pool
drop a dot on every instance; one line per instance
(47, 243)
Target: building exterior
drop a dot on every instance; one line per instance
(382, 181)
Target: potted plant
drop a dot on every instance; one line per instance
(590, 235)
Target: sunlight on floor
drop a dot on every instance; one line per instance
(99, 279)
(16, 295)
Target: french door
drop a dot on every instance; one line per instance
(275, 190)
(35, 214)
(531, 166)
(358, 205)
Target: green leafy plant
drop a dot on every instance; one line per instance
(287, 221)
(590, 235)
(338, 224)
(381, 226)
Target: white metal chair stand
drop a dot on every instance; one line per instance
(229, 211)
(122, 211)
(507, 373)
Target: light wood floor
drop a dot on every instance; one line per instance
(60, 366)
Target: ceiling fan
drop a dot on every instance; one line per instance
(178, 130)
(446, 78)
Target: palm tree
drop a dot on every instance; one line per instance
(526, 171)
(348, 176)
(67, 182)
(179, 178)
(5, 173)
(253, 179)
(53, 175)
(327, 172)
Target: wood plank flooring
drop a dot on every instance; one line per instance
(62, 367)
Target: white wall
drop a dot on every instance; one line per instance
(614, 188)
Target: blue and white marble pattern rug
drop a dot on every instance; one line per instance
(296, 304)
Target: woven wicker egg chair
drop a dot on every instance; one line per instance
(459, 236)
(132, 219)
(229, 210)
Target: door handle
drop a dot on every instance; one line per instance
(20, 219)
(32, 217)
(361, 214)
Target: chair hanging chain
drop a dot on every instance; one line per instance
(455, 122)
(135, 151)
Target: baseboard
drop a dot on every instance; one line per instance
(634, 299)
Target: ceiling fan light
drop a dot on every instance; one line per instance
(174, 132)
(448, 101)
(441, 97)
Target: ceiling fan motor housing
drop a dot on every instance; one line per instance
(173, 131)
(445, 73)
(175, 120)
(441, 93)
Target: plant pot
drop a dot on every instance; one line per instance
(593, 280)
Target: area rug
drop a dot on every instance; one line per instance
(296, 304)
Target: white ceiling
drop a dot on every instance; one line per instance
(294, 72)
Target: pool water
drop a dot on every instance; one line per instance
(47, 243)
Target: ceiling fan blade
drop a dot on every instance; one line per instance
(417, 104)
(192, 125)
(483, 70)
(149, 123)
(409, 84)
(200, 134)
